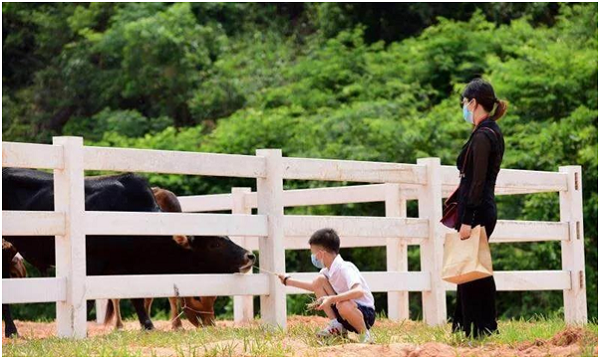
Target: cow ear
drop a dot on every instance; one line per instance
(183, 241)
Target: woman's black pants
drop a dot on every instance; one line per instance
(475, 312)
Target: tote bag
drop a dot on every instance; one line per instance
(467, 260)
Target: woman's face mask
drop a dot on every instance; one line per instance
(467, 114)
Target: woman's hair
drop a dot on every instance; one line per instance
(483, 92)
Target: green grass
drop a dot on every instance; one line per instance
(299, 339)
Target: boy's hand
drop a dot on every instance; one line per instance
(326, 301)
(281, 277)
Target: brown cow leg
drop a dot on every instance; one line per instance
(148, 306)
(118, 318)
(175, 319)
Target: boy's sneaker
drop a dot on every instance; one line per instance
(334, 328)
(365, 337)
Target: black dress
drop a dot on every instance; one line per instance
(475, 312)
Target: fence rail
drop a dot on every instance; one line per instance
(271, 232)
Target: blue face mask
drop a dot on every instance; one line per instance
(467, 115)
(317, 263)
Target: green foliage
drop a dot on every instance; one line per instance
(320, 81)
(128, 123)
(396, 21)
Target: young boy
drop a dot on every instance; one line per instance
(340, 288)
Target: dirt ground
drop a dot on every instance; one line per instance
(565, 343)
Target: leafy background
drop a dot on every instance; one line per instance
(375, 82)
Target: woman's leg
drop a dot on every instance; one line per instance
(480, 296)
(457, 320)
(479, 307)
(486, 320)
(475, 312)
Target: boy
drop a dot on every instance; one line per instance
(340, 288)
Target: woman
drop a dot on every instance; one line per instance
(476, 303)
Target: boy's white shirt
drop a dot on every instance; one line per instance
(343, 275)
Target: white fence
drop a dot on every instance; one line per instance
(271, 232)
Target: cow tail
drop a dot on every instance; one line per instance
(110, 312)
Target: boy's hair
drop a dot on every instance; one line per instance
(326, 238)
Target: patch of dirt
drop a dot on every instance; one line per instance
(567, 337)
(564, 343)
(29, 330)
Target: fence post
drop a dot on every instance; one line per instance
(396, 252)
(243, 308)
(271, 248)
(69, 198)
(432, 248)
(572, 250)
(101, 305)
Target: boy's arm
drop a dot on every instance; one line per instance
(352, 277)
(355, 292)
(295, 283)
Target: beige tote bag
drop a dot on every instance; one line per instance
(468, 260)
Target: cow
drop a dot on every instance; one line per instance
(192, 307)
(33, 190)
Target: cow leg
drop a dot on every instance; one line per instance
(9, 325)
(145, 321)
(8, 252)
(148, 306)
(117, 309)
(175, 320)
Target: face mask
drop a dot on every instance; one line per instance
(467, 115)
(317, 263)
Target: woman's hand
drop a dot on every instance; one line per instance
(465, 231)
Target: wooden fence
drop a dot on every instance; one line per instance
(270, 232)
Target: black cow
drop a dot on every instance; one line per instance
(32, 190)
(202, 307)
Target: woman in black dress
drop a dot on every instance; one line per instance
(476, 301)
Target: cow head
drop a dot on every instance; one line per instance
(202, 308)
(213, 254)
(217, 254)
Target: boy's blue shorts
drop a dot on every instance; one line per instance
(367, 312)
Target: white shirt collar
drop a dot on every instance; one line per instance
(335, 265)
